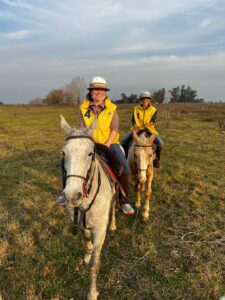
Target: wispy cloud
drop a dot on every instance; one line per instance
(83, 37)
(17, 35)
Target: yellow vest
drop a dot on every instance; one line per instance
(143, 117)
(102, 131)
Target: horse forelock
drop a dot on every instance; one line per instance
(144, 138)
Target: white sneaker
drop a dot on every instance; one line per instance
(127, 209)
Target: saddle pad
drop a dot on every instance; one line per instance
(109, 170)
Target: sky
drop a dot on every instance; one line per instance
(136, 45)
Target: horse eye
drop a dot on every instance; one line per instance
(90, 153)
(62, 153)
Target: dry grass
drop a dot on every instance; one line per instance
(179, 254)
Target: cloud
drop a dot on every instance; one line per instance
(17, 35)
(50, 42)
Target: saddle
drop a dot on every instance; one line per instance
(111, 166)
(106, 161)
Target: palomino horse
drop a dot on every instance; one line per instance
(89, 188)
(140, 160)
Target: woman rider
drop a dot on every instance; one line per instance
(98, 105)
(143, 118)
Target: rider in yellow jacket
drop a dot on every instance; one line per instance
(97, 105)
(143, 118)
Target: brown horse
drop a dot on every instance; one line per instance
(140, 160)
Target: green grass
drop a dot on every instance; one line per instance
(178, 254)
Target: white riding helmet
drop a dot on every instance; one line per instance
(145, 95)
(98, 82)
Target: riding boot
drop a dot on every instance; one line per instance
(156, 162)
(124, 199)
(124, 182)
(117, 167)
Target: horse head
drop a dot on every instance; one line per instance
(79, 154)
(142, 155)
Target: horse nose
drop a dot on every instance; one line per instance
(72, 197)
(142, 178)
(78, 196)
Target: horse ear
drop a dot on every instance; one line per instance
(92, 127)
(136, 138)
(65, 126)
(151, 139)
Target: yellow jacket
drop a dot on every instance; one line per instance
(102, 131)
(143, 118)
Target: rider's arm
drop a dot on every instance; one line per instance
(134, 123)
(153, 119)
(111, 138)
(114, 126)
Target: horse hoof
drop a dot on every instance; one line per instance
(112, 232)
(92, 296)
(145, 219)
(112, 229)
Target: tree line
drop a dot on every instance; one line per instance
(71, 94)
(74, 92)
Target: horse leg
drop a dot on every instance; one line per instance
(89, 246)
(112, 219)
(98, 240)
(138, 195)
(148, 193)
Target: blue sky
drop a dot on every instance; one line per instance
(135, 44)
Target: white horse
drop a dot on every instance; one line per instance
(140, 160)
(89, 188)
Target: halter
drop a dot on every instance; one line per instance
(92, 160)
(142, 146)
(86, 179)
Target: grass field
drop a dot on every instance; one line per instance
(178, 254)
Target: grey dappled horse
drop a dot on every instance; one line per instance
(88, 187)
(140, 160)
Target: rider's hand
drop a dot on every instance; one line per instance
(107, 144)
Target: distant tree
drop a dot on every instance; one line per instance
(132, 98)
(175, 95)
(36, 101)
(55, 97)
(184, 95)
(158, 96)
(1, 103)
(124, 98)
(74, 91)
(128, 99)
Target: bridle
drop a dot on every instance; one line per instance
(89, 177)
(92, 159)
(142, 146)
